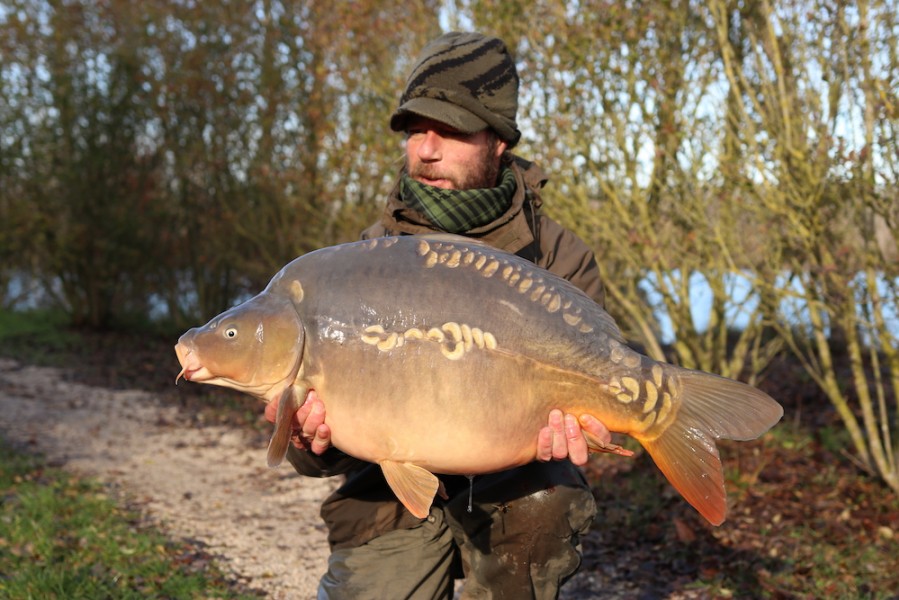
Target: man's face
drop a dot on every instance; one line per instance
(438, 155)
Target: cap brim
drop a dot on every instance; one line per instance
(439, 110)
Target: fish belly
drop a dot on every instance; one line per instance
(480, 413)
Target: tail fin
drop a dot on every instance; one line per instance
(710, 408)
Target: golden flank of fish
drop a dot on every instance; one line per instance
(436, 354)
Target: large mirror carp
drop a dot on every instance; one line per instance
(437, 354)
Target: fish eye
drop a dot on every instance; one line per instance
(231, 332)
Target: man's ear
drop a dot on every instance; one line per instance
(501, 146)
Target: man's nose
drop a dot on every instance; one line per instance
(430, 147)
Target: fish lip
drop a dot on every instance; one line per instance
(191, 369)
(198, 373)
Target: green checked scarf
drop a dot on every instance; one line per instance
(458, 211)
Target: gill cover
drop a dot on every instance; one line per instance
(253, 347)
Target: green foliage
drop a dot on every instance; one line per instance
(61, 537)
(48, 323)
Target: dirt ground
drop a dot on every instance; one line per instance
(192, 460)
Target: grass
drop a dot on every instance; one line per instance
(38, 337)
(63, 537)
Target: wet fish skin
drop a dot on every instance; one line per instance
(437, 354)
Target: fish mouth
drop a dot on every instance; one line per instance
(198, 374)
(191, 369)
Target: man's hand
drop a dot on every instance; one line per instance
(563, 437)
(310, 431)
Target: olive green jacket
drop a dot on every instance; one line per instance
(365, 507)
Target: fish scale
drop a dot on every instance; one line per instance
(438, 354)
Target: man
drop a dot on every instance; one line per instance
(513, 534)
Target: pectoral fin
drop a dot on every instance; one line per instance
(287, 407)
(414, 486)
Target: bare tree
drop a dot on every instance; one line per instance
(818, 134)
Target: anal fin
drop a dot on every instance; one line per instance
(413, 485)
(595, 444)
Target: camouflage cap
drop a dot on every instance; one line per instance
(467, 81)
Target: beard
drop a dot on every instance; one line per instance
(478, 173)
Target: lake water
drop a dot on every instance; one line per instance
(743, 302)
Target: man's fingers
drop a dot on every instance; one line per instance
(545, 444)
(596, 428)
(560, 444)
(314, 417)
(562, 438)
(310, 431)
(322, 440)
(577, 443)
(306, 408)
